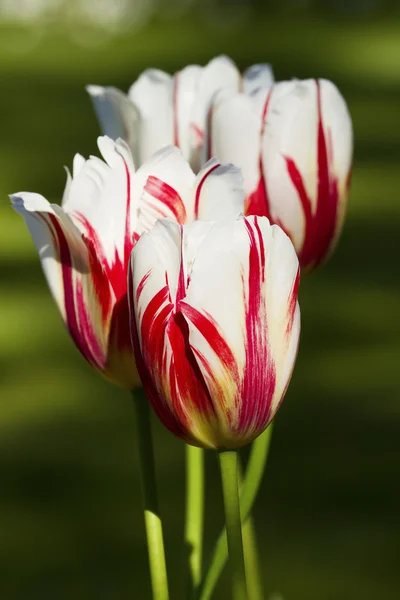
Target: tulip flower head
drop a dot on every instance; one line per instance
(293, 142)
(84, 245)
(215, 324)
(162, 109)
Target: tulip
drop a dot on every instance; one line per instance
(162, 109)
(293, 143)
(215, 325)
(84, 245)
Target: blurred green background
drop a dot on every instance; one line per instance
(328, 513)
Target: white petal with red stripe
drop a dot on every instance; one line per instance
(84, 297)
(218, 192)
(99, 199)
(164, 186)
(307, 151)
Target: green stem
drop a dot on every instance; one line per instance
(251, 483)
(154, 533)
(251, 561)
(253, 575)
(194, 513)
(228, 460)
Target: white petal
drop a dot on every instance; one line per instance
(152, 95)
(220, 73)
(257, 77)
(185, 92)
(164, 185)
(117, 115)
(235, 135)
(219, 192)
(101, 192)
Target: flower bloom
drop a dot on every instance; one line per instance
(84, 245)
(293, 142)
(162, 109)
(215, 324)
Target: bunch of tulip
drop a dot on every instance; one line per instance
(180, 272)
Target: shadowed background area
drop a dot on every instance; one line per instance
(327, 516)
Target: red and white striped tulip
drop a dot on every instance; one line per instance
(294, 145)
(84, 245)
(215, 325)
(162, 109)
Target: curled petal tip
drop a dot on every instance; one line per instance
(94, 90)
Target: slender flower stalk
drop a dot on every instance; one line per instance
(194, 514)
(251, 560)
(228, 460)
(153, 524)
(249, 490)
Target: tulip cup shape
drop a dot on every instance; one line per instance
(215, 325)
(162, 109)
(84, 245)
(294, 145)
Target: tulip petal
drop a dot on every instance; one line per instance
(118, 117)
(168, 370)
(307, 151)
(74, 275)
(220, 73)
(99, 200)
(152, 95)
(257, 77)
(218, 192)
(165, 185)
(243, 333)
(234, 132)
(184, 95)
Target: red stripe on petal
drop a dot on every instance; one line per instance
(149, 343)
(320, 227)
(169, 197)
(208, 328)
(199, 188)
(258, 384)
(293, 303)
(258, 203)
(77, 317)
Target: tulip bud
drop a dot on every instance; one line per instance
(215, 325)
(293, 143)
(84, 245)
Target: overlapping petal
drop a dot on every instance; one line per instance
(215, 321)
(118, 116)
(172, 109)
(307, 154)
